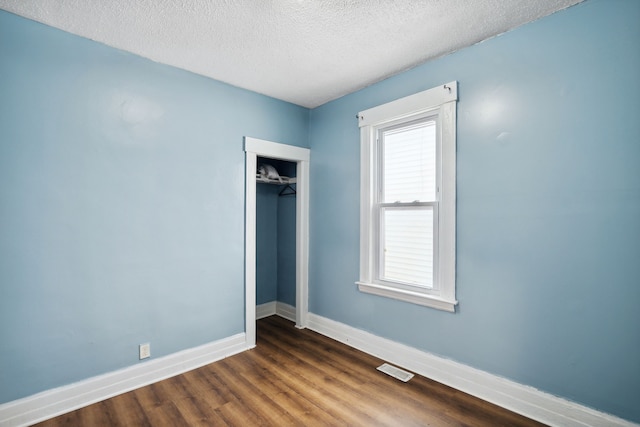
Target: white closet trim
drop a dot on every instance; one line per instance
(257, 147)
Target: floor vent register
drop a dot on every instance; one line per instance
(395, 372)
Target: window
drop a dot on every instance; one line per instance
(407, 202)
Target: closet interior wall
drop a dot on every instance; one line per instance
(276, 238)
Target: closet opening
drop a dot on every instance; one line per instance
(275, 238)
(292, 186)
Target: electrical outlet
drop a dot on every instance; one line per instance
(145, 350)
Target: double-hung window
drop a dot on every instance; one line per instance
(407, 203)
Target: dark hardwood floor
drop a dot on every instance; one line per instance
(292, 378)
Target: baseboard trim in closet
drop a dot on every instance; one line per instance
(285, 310)
(265, 310)
(276, 307)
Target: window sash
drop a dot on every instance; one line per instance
(417, 149)
(428, 249)
(429, 119)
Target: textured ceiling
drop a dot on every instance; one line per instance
(307, 52)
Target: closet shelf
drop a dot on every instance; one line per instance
(284, 180)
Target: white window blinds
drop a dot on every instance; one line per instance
(409, 165)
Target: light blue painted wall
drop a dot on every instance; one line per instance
(275, 246)
(122, 205)
(548, 242)
(286, 291)
(266, 243)
(286, 220)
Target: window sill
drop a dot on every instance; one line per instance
(408, 296)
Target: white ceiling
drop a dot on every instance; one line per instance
(307, 52)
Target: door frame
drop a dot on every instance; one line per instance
(253, 148)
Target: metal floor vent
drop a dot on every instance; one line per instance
(395, 372)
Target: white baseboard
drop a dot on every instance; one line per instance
(265, 310)
(287, 311)
(58, 401)
(524, 400)
(276, 307)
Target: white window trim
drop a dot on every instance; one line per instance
(441, 99)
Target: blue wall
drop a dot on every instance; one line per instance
(286, 291)
(266, 243)
(122, 205)
(275, 246)
(548, 221)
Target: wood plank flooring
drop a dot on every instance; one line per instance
(292, 378)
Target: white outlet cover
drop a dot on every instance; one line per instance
(145, 351)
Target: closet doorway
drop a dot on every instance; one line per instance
(254, 149)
